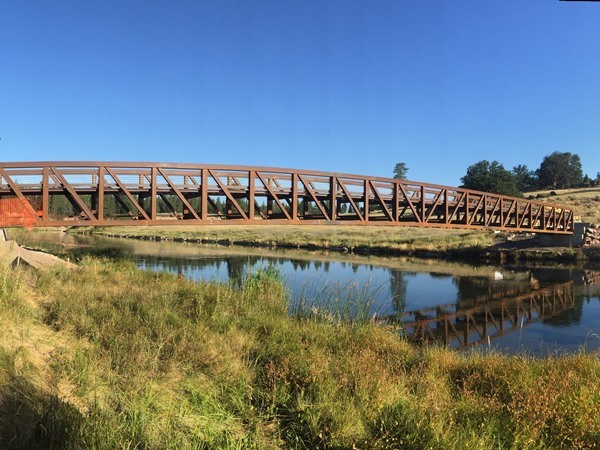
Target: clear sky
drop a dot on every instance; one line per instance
(345, 86)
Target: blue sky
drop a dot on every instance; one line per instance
(344, 86)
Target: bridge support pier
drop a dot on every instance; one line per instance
(565, 240)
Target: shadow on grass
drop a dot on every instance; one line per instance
(31, 418)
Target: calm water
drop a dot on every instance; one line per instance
(538, 310)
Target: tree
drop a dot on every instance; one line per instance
(587, 181)
(526, 179)
(400, 171)
(490, 177)
(560, 171)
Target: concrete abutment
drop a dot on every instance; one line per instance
(581, 232)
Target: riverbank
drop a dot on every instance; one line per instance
(393, 241)
(153, 361)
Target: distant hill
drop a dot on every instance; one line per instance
(585, 201)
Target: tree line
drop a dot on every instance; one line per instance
(559, 170)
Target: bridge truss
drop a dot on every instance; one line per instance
(118, 193)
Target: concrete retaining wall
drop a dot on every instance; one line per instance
(577, 239)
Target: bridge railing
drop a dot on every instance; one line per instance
(117, 193)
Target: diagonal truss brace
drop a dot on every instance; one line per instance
(127, 193)
(380, 200)
(349, 197)
(410, 204)
(179, 194)
(228, 194)
(313, 196)
(65, 184)
(273, 195)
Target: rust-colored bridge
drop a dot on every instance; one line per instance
(118, 193)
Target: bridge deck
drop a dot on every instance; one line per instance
(113, 193)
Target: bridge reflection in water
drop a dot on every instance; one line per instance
(467, 323)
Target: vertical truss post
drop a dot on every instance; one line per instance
(294, 196)
(446, 207)
(367, 191)
(153, 194)
(395, 202)
(304, 207)
(531, 224)
(204, 195)
(251, 187)
(485, 210)
(332, 198)
(45, 193)
(100, 206)
(422, 203)
(543, 217)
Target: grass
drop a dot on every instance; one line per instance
(335, 302)
(397, 240)
(108, 356)
(585, 201)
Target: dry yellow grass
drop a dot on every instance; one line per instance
(585, 201)
(378, 238)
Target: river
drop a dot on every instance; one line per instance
(537, 310)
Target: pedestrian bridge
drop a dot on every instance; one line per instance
(68, 193)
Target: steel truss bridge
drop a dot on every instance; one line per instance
(128, 193)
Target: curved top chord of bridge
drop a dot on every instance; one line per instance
(117, 193)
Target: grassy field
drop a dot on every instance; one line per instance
(106, 356)
(585, 201)
(353, 238)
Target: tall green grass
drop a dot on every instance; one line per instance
(335, 302)
(114, 357)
